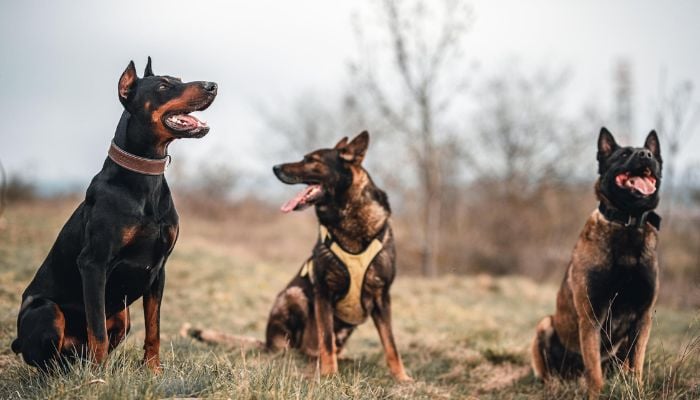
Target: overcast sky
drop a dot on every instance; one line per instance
(61, 61)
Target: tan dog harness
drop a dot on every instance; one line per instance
(349, 308)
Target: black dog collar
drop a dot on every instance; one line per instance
(142, 165)
(626, 219)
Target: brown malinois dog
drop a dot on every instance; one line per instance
(605, 302)
(352, 265)
(351, 268)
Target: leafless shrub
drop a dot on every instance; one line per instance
(209, 190)
(19, 189)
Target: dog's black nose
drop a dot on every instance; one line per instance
(210, 87)
(645, 154)
(276, 169)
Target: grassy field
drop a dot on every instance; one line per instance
(460, 337)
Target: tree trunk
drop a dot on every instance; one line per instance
(432, 237)
(432, 205)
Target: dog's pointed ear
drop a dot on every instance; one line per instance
(606, 144)
(652, 144)
(127, 81)
(148, 71)
(357, 148)
(341, 143)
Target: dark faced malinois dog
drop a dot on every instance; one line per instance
(352, 265)
(605, 302)
(113, 248)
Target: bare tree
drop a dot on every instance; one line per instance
(3, 184)
(212, 180)
(527, 141)
(677, 118)
(692, 178)
(413, 90)
(624, 115)
(303, 124)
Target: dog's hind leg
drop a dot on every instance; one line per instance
(550, 357)
(41, 331)
(539, 348)
(288, 319)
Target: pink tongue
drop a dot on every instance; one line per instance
(644, 185)
(293, 203)
(189, 120)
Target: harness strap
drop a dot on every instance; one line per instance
(349, 308)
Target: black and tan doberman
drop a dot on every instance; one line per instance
(113, 249)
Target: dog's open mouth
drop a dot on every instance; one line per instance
(643, 183)
(186, 122)
(303, 199)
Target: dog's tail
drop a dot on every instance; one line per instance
(212, 336)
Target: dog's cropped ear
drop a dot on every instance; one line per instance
(606, 144)
(652, 144)
(341, 143)
(356, 149)
(126, 82)
(148, 71)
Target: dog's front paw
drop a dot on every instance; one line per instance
(153, 364)
(403, 378)
(329, 370)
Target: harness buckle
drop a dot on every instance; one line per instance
(629, 221)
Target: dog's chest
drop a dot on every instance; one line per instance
(339, 282)
(140, 260)
(632, 247)
(620, 297)
(624, 289)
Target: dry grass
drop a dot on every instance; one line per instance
(461, 337)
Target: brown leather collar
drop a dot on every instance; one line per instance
(146, 166)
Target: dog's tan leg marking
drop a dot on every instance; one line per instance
(589, 332)
(323, 311)
(151, 346)
(98, 347)
(60, 324)
(117, 327)
(640, 346)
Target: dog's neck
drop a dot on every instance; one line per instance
(603, 199)
(133, 137)
(136, 137)
(627, 219)
(357, 216)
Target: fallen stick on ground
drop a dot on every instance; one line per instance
(212, 336)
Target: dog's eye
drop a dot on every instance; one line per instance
(162, 86)
(626, 153)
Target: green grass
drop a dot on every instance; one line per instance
(460, 337)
